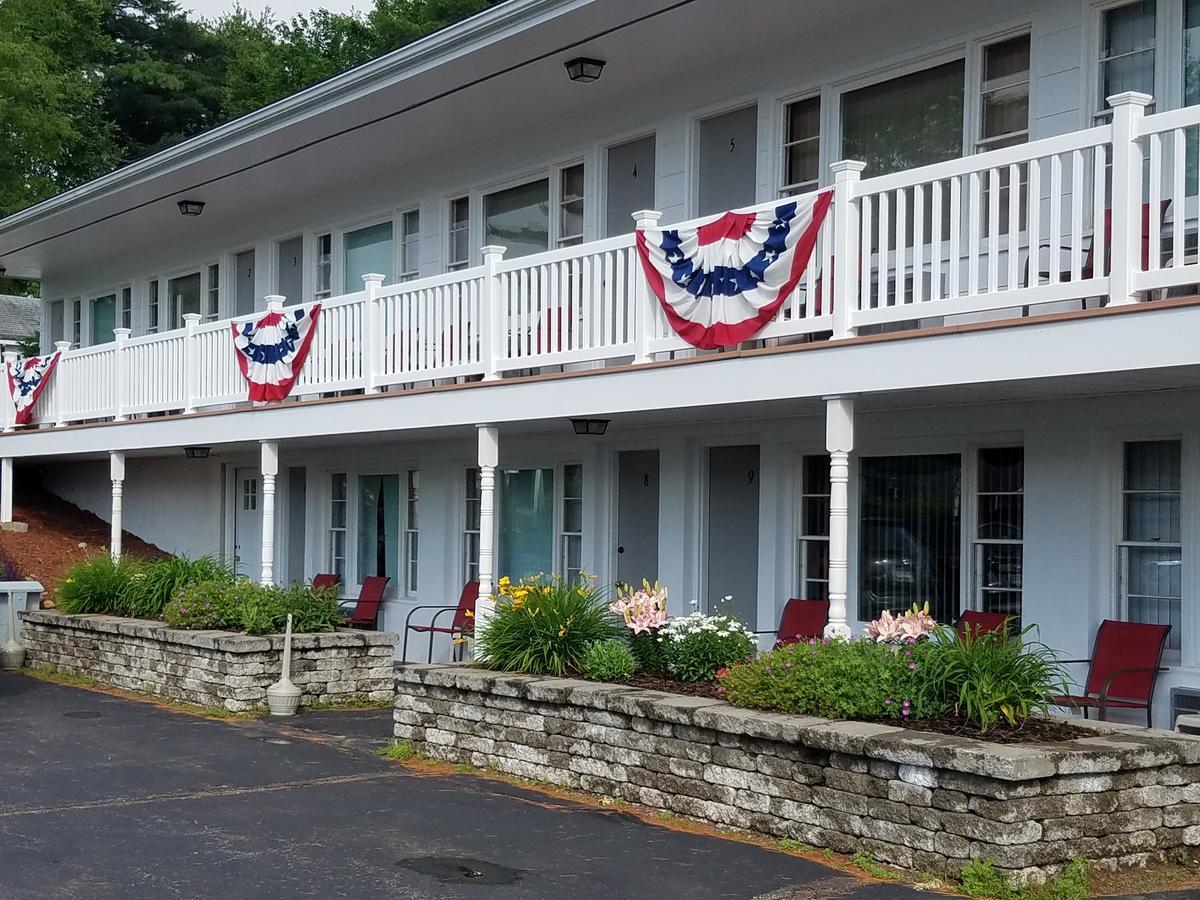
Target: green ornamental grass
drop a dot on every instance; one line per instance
(97, 585)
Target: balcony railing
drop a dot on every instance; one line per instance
(1106, 215)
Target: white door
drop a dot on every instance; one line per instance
(733, 530)
(247, 523)
(637, 516)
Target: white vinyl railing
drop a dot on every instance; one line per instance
(1107, 214)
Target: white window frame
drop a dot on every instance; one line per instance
(344, 573)
(125, 307)
(410, 528)
(803, 493)
(154, 307)
(784, 189)
(560, 526)
(339, 250)
(406, 272)
(89, 315)
(1168, 57)
(473, 206)
(557, 237)
(975, 85)
(76, 332)
(322, 263)
(972, 593)
(210, 293)
(469, 568)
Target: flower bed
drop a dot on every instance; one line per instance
(917, 800)
(209, 668)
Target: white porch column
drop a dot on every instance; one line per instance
(489, 458)
(1126, 230)
(646, 315)
(372, 333)
(6, 489)
(116, 471)
(839, 440)
(269, 468)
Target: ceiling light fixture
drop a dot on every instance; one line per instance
(590, 426)
(196, 452)
(584, 69)
(190, 207)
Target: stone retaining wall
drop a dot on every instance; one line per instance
(210, 668)
(917, 800)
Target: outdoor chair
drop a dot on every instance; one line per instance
(978, 622)
(325, 580)
(802, 620)
(462, 622)
(370, 596)
(1124, 667)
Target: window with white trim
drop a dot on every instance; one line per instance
(104, 319)
(801, 146)
(127, 307)
(212, 296)
(76, 321)
(249, 494)
(1004, 94)
(377, 540)
(410, 245)
(183, 297)
(999, 548)
(570, 537)
(458, 251)
(412, 507)
(152, 307)
(1127, 51)
(338, 514)
(470, 541)
(570, 206)
(813, 528)
(1150, 552)
(324, 269)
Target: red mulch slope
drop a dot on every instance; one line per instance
(60, 534)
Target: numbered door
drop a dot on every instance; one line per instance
(637, 516)
(247, 523)
(244, 283)
(291, 269)
(630, 183)
(733, 530)
(728, 161)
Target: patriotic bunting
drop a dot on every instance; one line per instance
(271, 351)
(27, 378)
(722, 282)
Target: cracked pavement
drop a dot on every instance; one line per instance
(102, 797)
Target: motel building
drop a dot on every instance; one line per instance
(982, 389)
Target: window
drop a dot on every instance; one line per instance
(76, 322)
(1127, 51)
(1150, 554)
(378, 526)
(459, 249)
(367, 251)
(127, 307)
(471, 526)
(324, 273)
(104, 319)
(525, 536)
(571, 535)
(518, 219)
(337, 525)
(999, 530)
(1191, 53)
(801, 146)
(412, 505)
(909, 534)
(911, 121)
(1004, 95)
(813, 550)
(183, 295)
(410, 245)
(152, 308)
(212, 305)
(249, 494)
(570, 206)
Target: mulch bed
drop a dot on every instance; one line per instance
(1031, 731)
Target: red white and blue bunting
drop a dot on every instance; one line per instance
(271, 351)
(27, 378)
(722, 282)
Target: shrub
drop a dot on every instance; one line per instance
(208, 605)
(608, 660)
(97, 585)
(696, 647)
(649, 653)
(242, 605)
(149, 591)
(545, 627)
(988, 676)
(311, 610)
(838, 679)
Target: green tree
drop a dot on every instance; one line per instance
(395, 23)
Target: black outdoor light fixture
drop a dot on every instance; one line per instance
(196, 452)
(590, 426)
(190, 207)
(584, 69)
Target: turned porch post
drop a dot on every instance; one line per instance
(489, 458)
(269, 469)
(839, 440)
(116, 471)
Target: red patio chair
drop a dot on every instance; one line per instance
(978, 622)
(325, 580)
(370, 596)
(1123, 670)
(462, 622)
(802, 620)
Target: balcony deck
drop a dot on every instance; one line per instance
(1014, 233)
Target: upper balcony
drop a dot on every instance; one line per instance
(1099, 217)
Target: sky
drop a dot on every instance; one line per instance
(283, 9)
